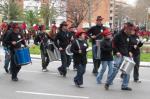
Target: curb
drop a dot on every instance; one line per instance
(143, 64)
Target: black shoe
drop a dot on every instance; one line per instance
(76, 84)
(106, 86)
(64, 74)
(137, 81)
(127, 89)
(6, 70)
(14, 79)
(60, 72)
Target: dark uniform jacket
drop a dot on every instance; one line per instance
(95, 30)
(121, 43)
(62, 39)
(4, 37)
(14, 37)
(106, 50)
(134, 40)
(79, 58)
(42, 39)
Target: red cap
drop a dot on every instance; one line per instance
(4, 25)
(80, 31)
(106, 32)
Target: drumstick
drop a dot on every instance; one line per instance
(19, 40)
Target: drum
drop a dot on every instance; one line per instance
(22, 56)
(53, 52)
(127, 65)
(97, 50)
(68, 50)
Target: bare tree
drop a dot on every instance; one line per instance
(78, 10)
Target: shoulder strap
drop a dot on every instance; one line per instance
(78, 44)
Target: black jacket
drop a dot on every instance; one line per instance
(79, 58)
(14, 37)
(121, 43)
(62, 39)
(134, 40)
(95, 30)
(4, 37)
(42, 39)
(106, 50)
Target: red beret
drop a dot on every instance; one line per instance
(106, 32)
(4, 25)
(80, 31)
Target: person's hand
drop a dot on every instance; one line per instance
(14, 42)
(60, 49)
(80, 51)
(93, 37)
(135, 46)
(118, 54)
(130, 54)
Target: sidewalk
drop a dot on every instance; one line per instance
(142, 64)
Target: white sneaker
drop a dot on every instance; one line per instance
(44, 70)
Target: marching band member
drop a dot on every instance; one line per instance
(72, 31)
(42, 38)
(121, 49)
(62, 40)
(12, 40)
(6, 31)
(78, 48)
(95, 34)
(106, 55)
(135, 45)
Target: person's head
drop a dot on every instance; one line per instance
(42, 28)
(99, 20)
(72, 29)
(63, 26)
(15, 28)
(4, 26)
(128, 28)
(81, 34)
(107, 34)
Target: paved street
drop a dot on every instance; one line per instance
(34, 84)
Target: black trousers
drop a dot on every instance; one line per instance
(45, 59)
(14, 67)
(66, 61)
(136, 68)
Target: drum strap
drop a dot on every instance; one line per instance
(78, 44)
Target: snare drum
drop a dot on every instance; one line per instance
(127, 65)
(23, 56)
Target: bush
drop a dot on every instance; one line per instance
(144, 56)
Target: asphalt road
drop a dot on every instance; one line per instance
(35, 84)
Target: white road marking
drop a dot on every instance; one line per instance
(48, 94)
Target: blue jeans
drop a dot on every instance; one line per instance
(80, 71)
(104, 66)
(7, 57)
(117, 64)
